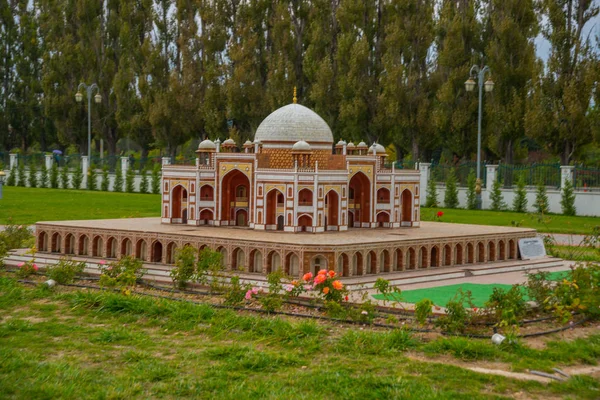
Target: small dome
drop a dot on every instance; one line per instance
(379, 149)
(301, 145)
(351, 145)
(293, 123)
(247, 143)
(207, 145)
(229, 142)
(362, 145)
(341, 143)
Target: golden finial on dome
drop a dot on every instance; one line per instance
(295, 99)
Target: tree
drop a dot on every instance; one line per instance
(156, 179)
(33, 178)
(44, 183)
(12, 177)
(559, 110)
(129, 180)
(567, 201)
(520, 199)
(105, 179)
(144, 182)
(118, 183)
(77, 178)
(21, 175)
(451, 194)
(431, 200)
(64, 177)
(496, 196)
(541, 198)
(54, 176)
(471, 194)
(92, 180)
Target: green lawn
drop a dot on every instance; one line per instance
(77, 344)
(27, 205)
(550, 223)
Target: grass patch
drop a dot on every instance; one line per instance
(552, 223)
(77, 346)
(575, 253)
(27, 206)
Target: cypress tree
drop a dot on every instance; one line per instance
(144, 182)
(33, 178)
(156, 179)
(118, 184)
(541, 198)
(129, 180)
(54, 176)
(92, 183)
(432, 196)
(12, 177)
(77, 177)
(471, 194)
(496, 196)
(567, 201)
(520, 200)
(21, 176)
(64, 177)
(44, 176)
(451, 194)
(105, 179)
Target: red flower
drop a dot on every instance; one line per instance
(440, 214)
(307, 277)
(346, 298)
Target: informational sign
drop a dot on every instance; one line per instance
(531, 248)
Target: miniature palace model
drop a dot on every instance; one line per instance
(289, 200)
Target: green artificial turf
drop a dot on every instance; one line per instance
(552, 223)
(27, 206)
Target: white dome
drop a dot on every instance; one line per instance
(351, 145)
(229, 142)
(207, 145)
(247, 143)
(362, 145)
(293, 123)
(341, 143)
(378, 148)
(301, 145)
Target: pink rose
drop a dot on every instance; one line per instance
(255, 290)
(102, 262)
(35, 267)
(308, 287)
(21, 264)
(248, 295)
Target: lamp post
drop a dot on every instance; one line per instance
(98, 99)
(2, 176)
(479, 74)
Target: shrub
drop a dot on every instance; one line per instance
(577, 293)
(77, 178)
(92, 183)
(567, 201)
(451, 194)
(327, 285)
(21, 176)
(423, 310)
(44, 176)
(471, 193)
(210, 263)
(185, 266)
(118, 184)
(539, 287)
(144, 182)
(105, 179)
(457, 317)
(122, 274)
(25, 269)
(496, 196)
(520, 199)
(432, 197)
(64, 177)
(235, 293)
(54, 176)
(15, 236)
(541, 198)
(12, 177)
(65, 271)
(33, 178)
(129, 178)
(156, 179)
(507, 306)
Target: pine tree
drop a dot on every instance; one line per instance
(451, 194)
(44, 176)
(432, 197)
(33, 178)
(520, 199)
(118, 184)
(129, 180)
(496, 196)
(92, 181)
(144, 182)
(567, 201)
(105, 179)
(12, 177)
(541, 198)
(156, 179)
(21, 175)
(77, 177)
(64, 177)
(471, 193)
(54, 176)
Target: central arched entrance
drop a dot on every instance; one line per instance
(235, 189)
(275, 207)
(360, 199)
(332, 200)
(407, 208)
(179, 199)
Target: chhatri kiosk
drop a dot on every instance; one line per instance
(291, 178)
(289, 200)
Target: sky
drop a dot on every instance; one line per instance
(592, 29)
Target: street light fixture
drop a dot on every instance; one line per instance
(479, 74)
(97, 99)
(2, 177)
